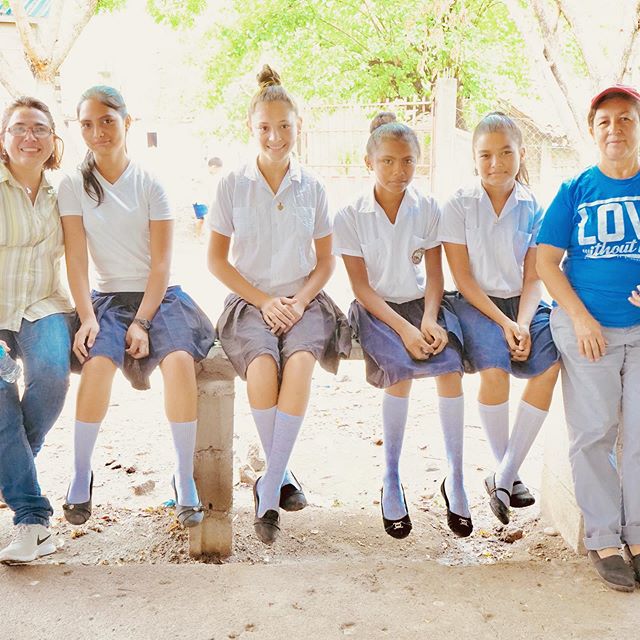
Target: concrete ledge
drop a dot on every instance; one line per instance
(214, 464)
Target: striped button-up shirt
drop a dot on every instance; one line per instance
(31, 248)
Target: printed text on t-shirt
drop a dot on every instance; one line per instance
(610, 228)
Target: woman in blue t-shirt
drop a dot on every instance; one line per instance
(594, 225)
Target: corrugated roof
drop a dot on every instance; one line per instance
(34, 8)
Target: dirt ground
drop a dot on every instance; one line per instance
(333, 572)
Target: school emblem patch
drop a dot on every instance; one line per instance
(416, 256)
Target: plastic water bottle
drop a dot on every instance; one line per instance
(9, 368)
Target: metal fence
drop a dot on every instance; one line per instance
(335, 135)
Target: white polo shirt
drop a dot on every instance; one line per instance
(117, 231)
(496, 244)
(272, 234)
(393, 253)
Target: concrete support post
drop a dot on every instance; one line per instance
(214, 456)
(445, 174)
(557, 500)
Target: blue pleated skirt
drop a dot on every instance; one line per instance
(485, 346)
(387, 361)
(178, 325)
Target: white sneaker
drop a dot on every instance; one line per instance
(30, 541)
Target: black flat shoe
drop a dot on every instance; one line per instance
(499, 508)
(187, 516)
(635, 561)
(614, 572)
(267, 527)
(77, 513)
(397, 528)
(521, 496)
(460, 525)
(292, 497)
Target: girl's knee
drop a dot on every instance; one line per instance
(177, 360)
(549, 377)
(449, 385)
(98, 367)
(305, 357)
(497, 377)
(263, 365)
(399, 389)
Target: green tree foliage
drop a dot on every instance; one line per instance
(110, 5)
(367, 50)
(177, 13)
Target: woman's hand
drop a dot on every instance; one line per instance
(434, 334)
(415, 343)
(634, 298)
(523, 350)
(512, 334)
(137, 341)
(591, 343)
(280, 314)
(85, 338)
(298, 309)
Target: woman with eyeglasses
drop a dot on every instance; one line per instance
(35, 318)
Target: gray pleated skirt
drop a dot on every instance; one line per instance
(323, 330)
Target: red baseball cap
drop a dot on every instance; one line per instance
(616, 88)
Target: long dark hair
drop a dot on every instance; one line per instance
(112, 98)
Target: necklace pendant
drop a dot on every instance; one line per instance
(280, 206)
(29, 190)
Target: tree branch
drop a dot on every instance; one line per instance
(627, 49)
(33, 50)
(538, 42)
(584, 42)
(5, 80)
(55, 21)
(374, 19)
(82, 15)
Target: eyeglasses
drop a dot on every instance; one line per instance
(38, 130)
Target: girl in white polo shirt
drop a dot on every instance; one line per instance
(488, 230)
(384, 237)
(278, 321)
(136, 318)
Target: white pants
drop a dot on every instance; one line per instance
(599, 400)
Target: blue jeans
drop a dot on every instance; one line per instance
(44, 347)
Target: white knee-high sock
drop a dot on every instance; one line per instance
(265, 420)
(394, 421)
(495, 422)
(452, 421)
(265, 423)
(285, 433)
(85, 435)
(529, 419)
(184, 442)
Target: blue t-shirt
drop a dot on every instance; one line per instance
(597, 220)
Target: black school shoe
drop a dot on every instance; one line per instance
(77, 513)
(635, 561)
(614, 572)
(521, 496)
(499, 508)
(267, 527)
(397, 528)
(460, 525)
(292, 497)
